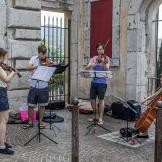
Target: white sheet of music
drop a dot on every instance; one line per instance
(43, 73)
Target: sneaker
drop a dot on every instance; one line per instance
(6, 151)
(7, 145)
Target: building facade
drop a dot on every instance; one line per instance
(133, 57)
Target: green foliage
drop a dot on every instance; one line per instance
(57, 81)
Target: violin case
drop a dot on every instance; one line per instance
(122, 111)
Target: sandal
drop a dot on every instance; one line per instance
(27, 126)
(100, 122)
(93, 119)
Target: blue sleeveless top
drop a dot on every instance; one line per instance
(99, 67)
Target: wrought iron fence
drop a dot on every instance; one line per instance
(56, 37)
(153, 85)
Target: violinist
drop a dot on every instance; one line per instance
(4, 105)
(42, 88)
(101, 62)
(149, 98)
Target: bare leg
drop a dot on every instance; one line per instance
(3, 124)
(101, 109)
(30, 114)
(95, 108)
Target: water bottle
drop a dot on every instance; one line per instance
(24, 106)
(24, 111)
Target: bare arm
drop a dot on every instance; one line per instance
(6, 78)
(152, 96)
(89, 66)
(31, 67)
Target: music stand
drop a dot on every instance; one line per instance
(43, 74)
(95, 74)
(127, 121)
(59, 69)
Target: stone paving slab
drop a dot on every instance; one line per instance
(92, 148)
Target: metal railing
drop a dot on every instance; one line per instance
(54, 36)
(153, 85)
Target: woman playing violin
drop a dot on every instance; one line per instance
(4, 105)
(33, 95)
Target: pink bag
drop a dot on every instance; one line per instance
(24, 115)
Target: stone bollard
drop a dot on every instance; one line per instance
(158, 134)
(75, 130)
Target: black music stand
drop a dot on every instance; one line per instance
(42, 74)
(127, 121)
(59, 69)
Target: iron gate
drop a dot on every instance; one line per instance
(56, 38)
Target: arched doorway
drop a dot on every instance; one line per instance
(142, 38)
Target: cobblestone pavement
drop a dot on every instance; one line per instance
(92, 148)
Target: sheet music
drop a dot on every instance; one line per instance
(43, 73)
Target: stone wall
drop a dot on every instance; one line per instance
(133, 52)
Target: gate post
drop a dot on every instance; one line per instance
(75, 130)
(158, 134)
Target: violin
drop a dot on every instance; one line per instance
(100, 59)
(10, 69)
(46, 62)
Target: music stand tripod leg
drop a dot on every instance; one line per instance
(31, 139)
(48, 138)
(90, 128)
(91, 125)
(104, 128)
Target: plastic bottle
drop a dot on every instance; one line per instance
(23, 106)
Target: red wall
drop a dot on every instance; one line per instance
(101, 25)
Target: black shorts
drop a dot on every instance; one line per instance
(36, 96)
(4, 105)
(98, 90)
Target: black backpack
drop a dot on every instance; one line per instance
(122, 111)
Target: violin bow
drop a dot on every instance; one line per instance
(107, 43)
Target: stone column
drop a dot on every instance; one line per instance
(136, 59)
